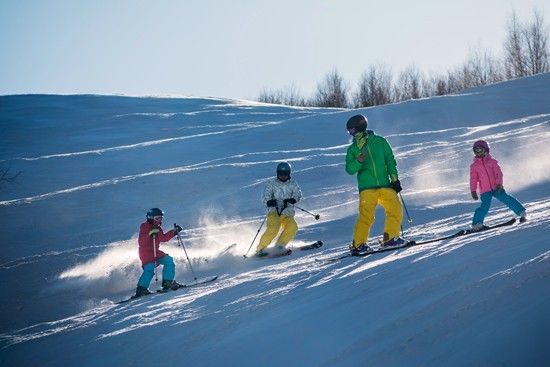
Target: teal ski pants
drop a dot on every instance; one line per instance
(168, 271)
(502, 196)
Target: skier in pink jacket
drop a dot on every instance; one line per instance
(485, 174)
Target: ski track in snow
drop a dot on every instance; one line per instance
(434, 169)
(455, 150)
(279, 277)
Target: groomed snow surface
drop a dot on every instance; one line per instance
(91, 166)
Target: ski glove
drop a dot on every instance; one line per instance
(177, 228)
(153, 232)
(289, 201)
(474, 195)
(396, 185)
(271, 203)
(499, 188)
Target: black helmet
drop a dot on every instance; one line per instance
(154, 212)
(283, 169)
(357, 123)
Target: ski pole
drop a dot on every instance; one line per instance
(180, 242)
(155, 256)
(409, 219)
(261, 225)
(316, 216)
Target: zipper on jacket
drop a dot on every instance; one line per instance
(373, 166)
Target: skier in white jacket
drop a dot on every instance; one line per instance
(280, 195)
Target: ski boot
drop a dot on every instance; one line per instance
(362, 248)
(141, 291)
(170, 285)
(282, 250)
(523, 217)
(261, 253)
(478, 227)
(394, 242)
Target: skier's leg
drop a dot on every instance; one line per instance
(168, 269)
(394, 213)
(289, 230)
(147, 276)
(272, 229)
(510, 201)
(367, 205)
(483, 209)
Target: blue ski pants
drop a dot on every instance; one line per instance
(502, 196)
(168, 271)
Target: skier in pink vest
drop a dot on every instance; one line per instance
(485, 174)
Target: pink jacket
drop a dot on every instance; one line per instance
(486, 173)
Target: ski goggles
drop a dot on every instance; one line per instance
(352, 131)
(479, 150)
(158, 218)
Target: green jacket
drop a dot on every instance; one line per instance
(379, 167)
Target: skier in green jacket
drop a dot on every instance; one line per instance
(371, 158)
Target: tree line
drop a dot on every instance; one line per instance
(525, 52)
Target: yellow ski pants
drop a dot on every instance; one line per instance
(274, 224)
(368, 199)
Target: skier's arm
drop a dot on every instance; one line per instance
(352, 164)
(391, 163)
(498, 174)
(297, 193)
(164, 237)
(473, 179)
(268, 193)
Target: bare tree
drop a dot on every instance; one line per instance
(441, 87)
(332, 91)
(535, 36)
(526, 47)
(289, 96)
(271, 96)
(481, 68)
(514, 59)
(293, 96)
(375, 87)
(409, 84)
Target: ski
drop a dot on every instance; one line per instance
(465, 232)
(289, 251)
(486, 228)
(384, 249)
(311, 246)
(160, 291)
(462, 232)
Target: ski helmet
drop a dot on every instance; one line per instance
(283, 169)
(481, 144)
(154, 212)
(357, 124)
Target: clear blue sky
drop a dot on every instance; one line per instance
(235, 48)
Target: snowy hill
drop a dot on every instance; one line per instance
(91, 166)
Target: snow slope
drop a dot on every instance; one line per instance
(91, 166)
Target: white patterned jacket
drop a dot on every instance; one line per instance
(279, 190)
